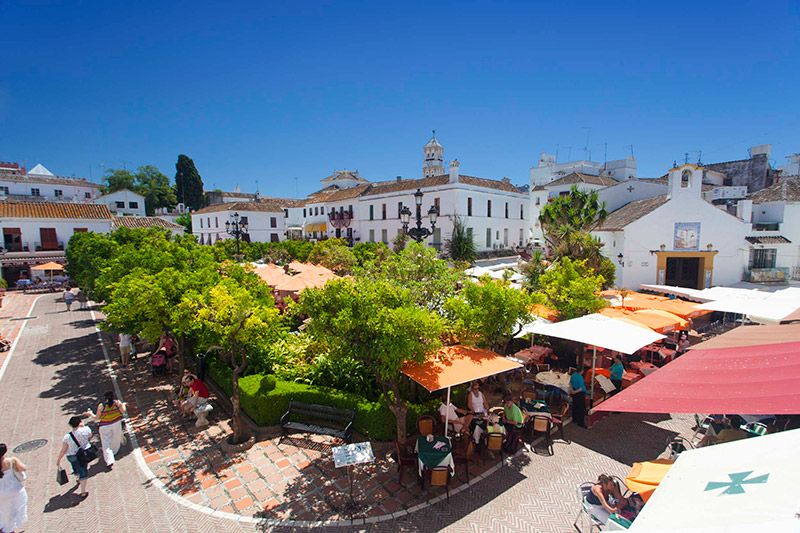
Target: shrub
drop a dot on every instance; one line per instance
(266, 399)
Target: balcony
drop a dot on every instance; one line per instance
(767, 275)
(48, 246)
(766, 226)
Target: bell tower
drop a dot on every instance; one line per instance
(433, 158)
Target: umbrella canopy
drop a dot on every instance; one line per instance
(645, 477)
(599, 330)
(625, 315)
(772, 309)
(48, 266)
(637, 300)
(271, 274)
(527, 329)
(751, 379)
(752, 336)
(661, 321)
(455, 365)
(746, 485)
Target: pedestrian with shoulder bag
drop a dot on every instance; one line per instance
(79, 451)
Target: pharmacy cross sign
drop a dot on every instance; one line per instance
(737, 482)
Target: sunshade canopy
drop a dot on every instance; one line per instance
(454, 365)
(752, 336)
(659, 321)
(746, 485)
(745, 380)
(646, 476)
(771, 309)
(48, 266)
(599, 330)
(636, 300)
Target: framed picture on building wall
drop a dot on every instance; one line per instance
(687, 236)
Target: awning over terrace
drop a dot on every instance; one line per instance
(758, 379)
(747, 485)
(602, 331)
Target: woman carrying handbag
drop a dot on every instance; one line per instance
(13, 497)
(109, 417)
(79, 451)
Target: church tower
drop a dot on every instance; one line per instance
(433, 164)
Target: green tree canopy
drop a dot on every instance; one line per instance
(118, 179)
(429, 280)
(188, 183)
(577, 211)
(147, 181)
(489, 312)
(572, 288)
(377, 323)
(461, 246)
(333, 254)
(87, 254)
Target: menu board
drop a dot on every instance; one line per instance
(353, 454)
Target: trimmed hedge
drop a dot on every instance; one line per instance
(266, 399)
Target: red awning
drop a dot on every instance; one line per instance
(746, 380)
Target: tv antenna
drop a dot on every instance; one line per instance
(586, 152)
(630, 146)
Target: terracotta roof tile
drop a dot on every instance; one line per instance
(136, 222)
(786, 190)
(577, 177)
(384, 187)
(263, 205)
(59, 210)
(631, 212)
(780, 239)
(55, 180)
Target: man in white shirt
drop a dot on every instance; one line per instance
(449, 413)
(124, 348)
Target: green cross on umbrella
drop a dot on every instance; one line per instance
(736, 484)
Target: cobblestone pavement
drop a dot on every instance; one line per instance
(58, 369)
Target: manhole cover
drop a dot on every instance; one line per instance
(30, 446)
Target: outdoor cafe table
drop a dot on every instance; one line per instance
(535, 408)
(534, 354)
(644, 368)
(428, 457)
(555, 379)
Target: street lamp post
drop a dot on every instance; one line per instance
(238, 229)
(418, 233)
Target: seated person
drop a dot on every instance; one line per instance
(183, 392)
(170, 349)
(606, 498)
(729, 432)
(198, 395)
(476, 401)
(513, 417)
(494, 426)
(449, 413)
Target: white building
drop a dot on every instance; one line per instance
(123, 202)
(38, 232)
(39, 184)
(548, 169)
(774, 242)
(265, 219)
(676, 239)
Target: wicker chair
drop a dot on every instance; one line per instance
(543, 424)
(425, 425)
(463, 455)
(494, 443)
(529, 395)
(559, 418)
(405, 459)
(440, 477)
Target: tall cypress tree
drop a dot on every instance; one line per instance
(188, 183)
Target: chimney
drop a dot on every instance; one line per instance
(744, 210)
(399, 179)
(454, 164)
(506, 180)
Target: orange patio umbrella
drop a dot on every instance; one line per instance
(49, 266)
(544, 312)
(657, 316)
(645, 477)
(271, 274)
(618, 313)
(455, 365)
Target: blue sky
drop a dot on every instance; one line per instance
(275, 91)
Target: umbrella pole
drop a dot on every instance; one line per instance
(447, 412)
(594, 364)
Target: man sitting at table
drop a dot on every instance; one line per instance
(449, 413)
(513, 418)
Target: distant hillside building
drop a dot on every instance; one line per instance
(41, 185)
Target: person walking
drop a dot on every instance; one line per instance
(109, 416)
(69, 297)
(577, 388)
(13, 497)
(75, 439)
(125, 348)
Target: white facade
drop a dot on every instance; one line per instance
(123, 202)
(548, 169)
(40, 184)
(682, 227)
(266, 221)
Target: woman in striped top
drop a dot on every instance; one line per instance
(109, 415)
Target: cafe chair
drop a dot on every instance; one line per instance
(540, 390)
(677, 445)
(425, 425)
(462, 455)
(528, 395)
(543, 368)
(593, 517)
(405, 459)
(701, 427)
(499, 411)
(756, 428)
(558, 419)
(543, 424)
(494, 443)
(440, 477)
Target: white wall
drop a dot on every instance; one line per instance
(259, 226)
(69, 192)
(65, 228)
(131, 203)
(629, 191)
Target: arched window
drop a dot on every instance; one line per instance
(685, 177)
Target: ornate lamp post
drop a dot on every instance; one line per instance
(418, 233)
(237, 229)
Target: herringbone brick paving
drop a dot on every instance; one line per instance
(58, 369)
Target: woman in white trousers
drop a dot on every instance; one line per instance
(109, 416)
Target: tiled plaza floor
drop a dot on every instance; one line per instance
(58, 370)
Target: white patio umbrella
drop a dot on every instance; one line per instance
(598, 330)
(745, 485)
